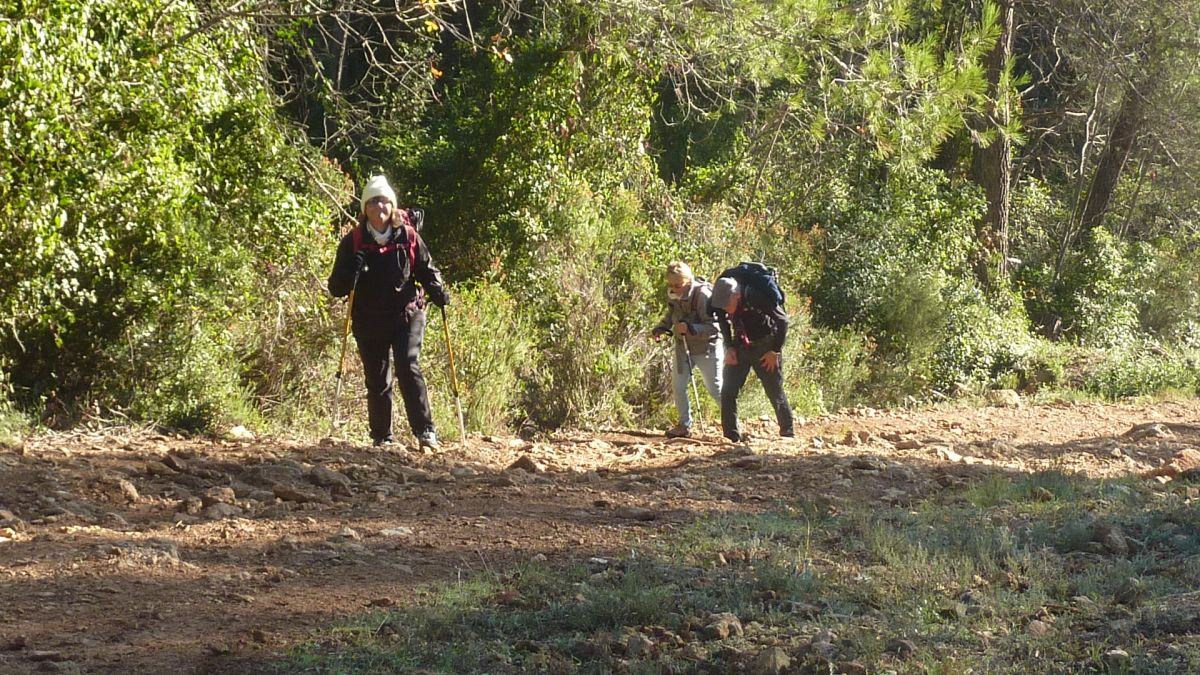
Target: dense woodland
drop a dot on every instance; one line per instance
(959, 196)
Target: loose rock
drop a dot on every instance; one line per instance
(900, 647)
(949, 455)
(1003, 398)
(636, 513)
(1038, 628)
(527, 463)
(240, 433)
(221, 510)
(291, 493)
(218, 495)
(750, 463)
(771, 661)
(128, 490)
(722, 626)
(1118, 660)
(338, 482)
(639, 646)
(1111, 538)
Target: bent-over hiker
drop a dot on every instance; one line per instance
(754, 328)
(388, 317)
(697, 343)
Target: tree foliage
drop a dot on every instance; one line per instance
(173, 177)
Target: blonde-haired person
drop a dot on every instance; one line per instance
(696, 337)
(388, 258)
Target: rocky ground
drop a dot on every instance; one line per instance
(131, 551)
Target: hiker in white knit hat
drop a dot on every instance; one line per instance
(385, 262)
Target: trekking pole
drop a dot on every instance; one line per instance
(462, 429)
(691, 376)
(337, 392)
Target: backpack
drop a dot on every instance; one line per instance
(757, 276)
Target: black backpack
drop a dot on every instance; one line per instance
(757, 276)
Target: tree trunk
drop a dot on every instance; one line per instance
(991, 166)
(1116, 153)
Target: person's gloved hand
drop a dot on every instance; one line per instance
(360, 260)
(438, 295)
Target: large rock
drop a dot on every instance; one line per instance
(221, 510)
(527, 463)
(291, 493)
(721, 626)
(219, 494)
(1003, 398)
(1150, 430)
(326, 477)
(128, 490)
(1184, 461)
(771, 661)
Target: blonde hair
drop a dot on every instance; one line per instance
(679, 271)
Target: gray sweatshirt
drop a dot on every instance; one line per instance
(693, 309)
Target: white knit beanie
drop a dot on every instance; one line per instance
(377, 186)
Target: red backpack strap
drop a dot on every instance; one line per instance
(411, 232)
(356, 236)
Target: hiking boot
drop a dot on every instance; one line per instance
(429, 441)
(384, 442)
(679, 431)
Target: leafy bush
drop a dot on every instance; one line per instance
(984, 340)
(1166, 286)
(898, 265)
(1144, 369)
(838, 361)
(1102, 312)
(493, 343)
(594, 299)
(148, 188)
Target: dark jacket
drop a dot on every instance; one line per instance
(758, 319)
(387, 287)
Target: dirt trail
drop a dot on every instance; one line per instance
(128, 551)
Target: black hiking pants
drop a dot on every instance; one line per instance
(734, 377)
(404, 342)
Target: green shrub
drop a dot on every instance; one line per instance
(191, 383)
(984, 340)
(148, 190)
(838, 360)
(1166, 281)
(898, 266)
(1101, 310)
(1042, 366)
(493, 343)
(1146, 369)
